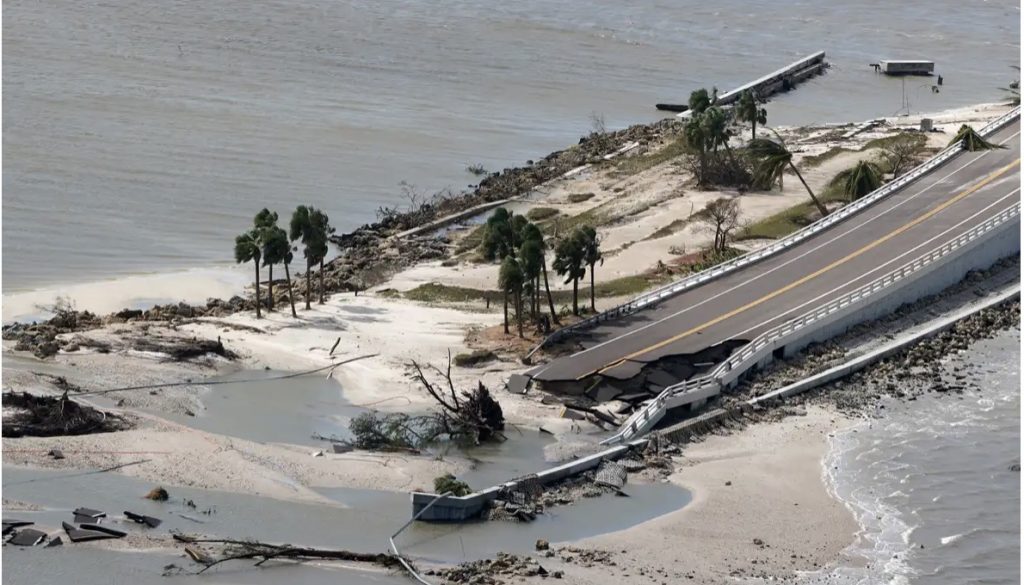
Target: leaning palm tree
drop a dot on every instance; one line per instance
(971, 140)
(748, 110)
(859, 180)
(248, 246)
(590, 247)
(772, 159)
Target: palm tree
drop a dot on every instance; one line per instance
(590, 246)
(531, 257)
(700, 100)
(859, 180)
(301, 228)
(716, 130)
(502, 234)
(747, 110)
(772, 159)
(697, 139)
(569, 262)
(510, 279)
(276, 250)
(532, 233)
(248, 247)
(322, 230)
(971, 140)
(266, 222)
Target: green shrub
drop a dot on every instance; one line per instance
(447, 483)
(480, 356)
(541, 213)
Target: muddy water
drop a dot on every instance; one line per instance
(363, 528)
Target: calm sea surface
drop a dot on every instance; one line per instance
(141, 136)
(931, 484)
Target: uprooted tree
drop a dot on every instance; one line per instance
(473, 416)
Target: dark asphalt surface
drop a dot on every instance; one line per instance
(963, 192)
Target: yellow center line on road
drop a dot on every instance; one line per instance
(993, 176)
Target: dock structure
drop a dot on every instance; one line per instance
(780, 80)
(904, 67)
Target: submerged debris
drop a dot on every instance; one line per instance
(29, 415)
(157, 494)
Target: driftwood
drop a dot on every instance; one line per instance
(250, 549)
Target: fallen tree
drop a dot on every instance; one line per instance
(50, 416)
(231, 550)
(473, 416)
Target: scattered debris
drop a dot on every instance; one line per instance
(55, 454)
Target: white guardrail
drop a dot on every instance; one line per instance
(644, 419)
(651, 298)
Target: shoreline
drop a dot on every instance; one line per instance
(109, 296)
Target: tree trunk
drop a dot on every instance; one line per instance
(753, 128)
(593, 307)
(519, 312)
(309, 283)
(821, 208)
(506, 311)
(321, 281)
(257, 265)
(270, 288)
(291, 298)
(547, 288)
(575, 295)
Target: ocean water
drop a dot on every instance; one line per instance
(140, 136)
(930, 483)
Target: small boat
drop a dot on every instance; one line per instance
(672, 107)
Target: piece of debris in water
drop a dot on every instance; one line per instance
(89, 513)
(142, 519)
(10, 525)
(85, 535)
(157, 494)
(27, 537)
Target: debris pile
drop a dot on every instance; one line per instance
(28, 415)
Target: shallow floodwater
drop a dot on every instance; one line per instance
(259, 408)
(931, 484)
(142, 135)
(363, 528)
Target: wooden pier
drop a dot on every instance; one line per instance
(783, 79)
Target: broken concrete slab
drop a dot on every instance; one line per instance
(54, 542)
(518, 384)
(105, 530)
(89, 512)
(10, 525)
(611, 474)
(83, 535)
(27, 537)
